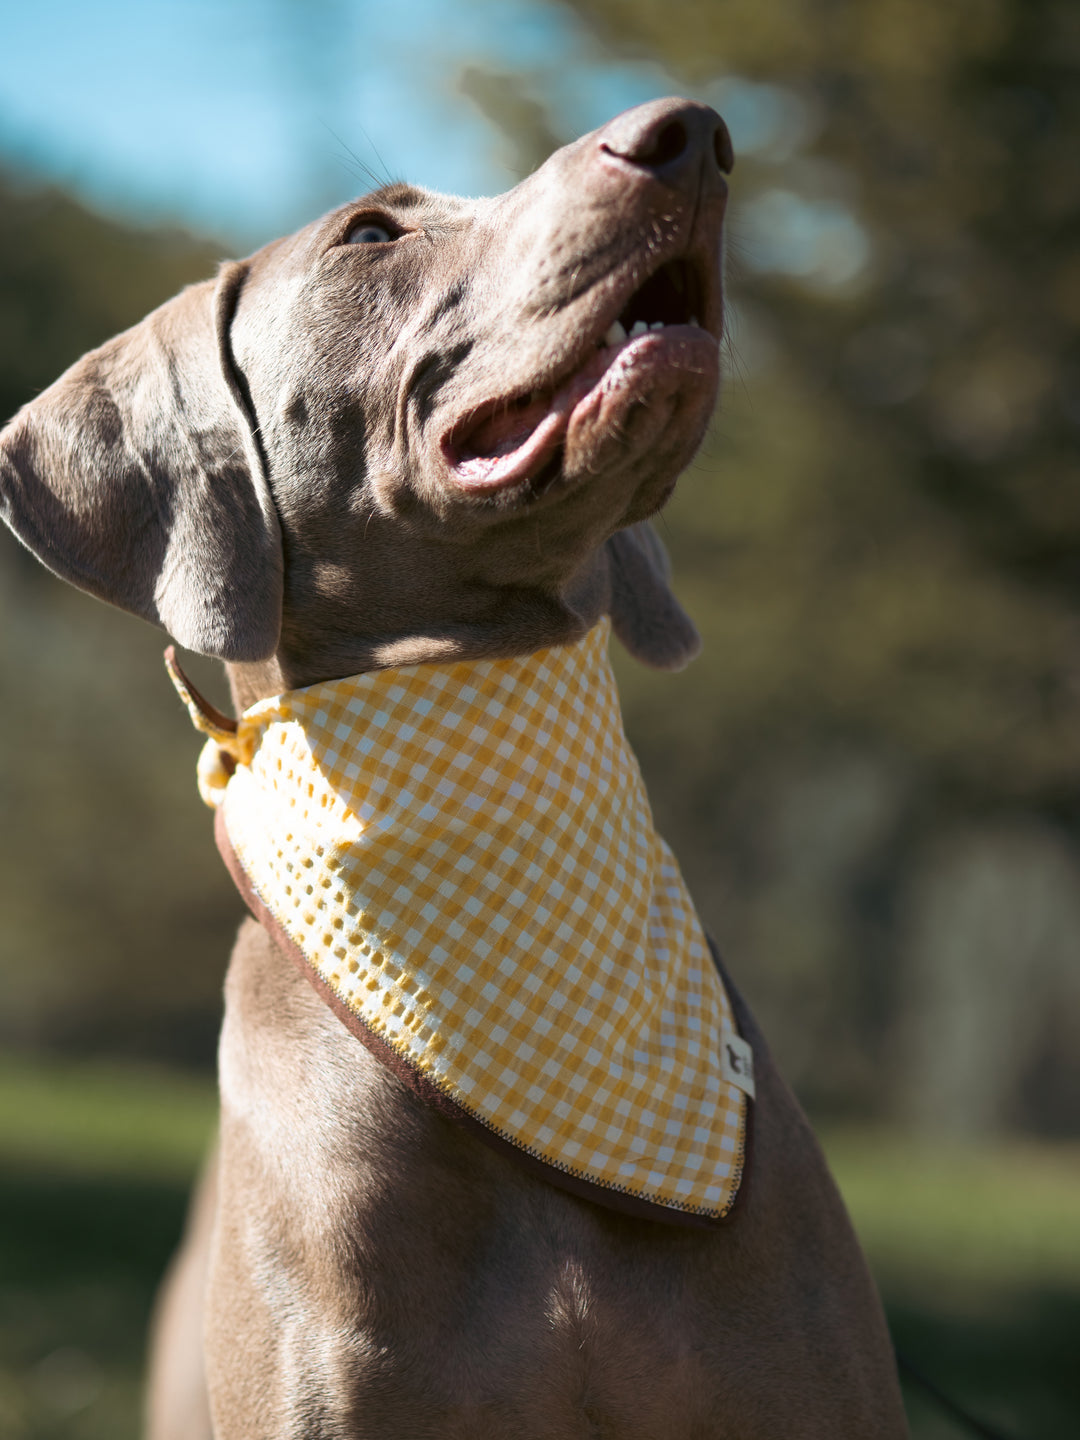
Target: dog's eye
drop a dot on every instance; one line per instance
(367, 232)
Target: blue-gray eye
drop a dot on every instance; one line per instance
(368, 234)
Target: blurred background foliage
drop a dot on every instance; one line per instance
(116, 917)
(872, 777)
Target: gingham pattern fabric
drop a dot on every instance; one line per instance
(465, 854)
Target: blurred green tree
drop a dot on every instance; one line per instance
(69, 279)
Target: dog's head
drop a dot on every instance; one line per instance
(420, 427)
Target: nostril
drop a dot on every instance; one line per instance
(669, 144)
(672, 139)
(723, 149)
(653, 147)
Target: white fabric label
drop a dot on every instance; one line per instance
(737, 1063)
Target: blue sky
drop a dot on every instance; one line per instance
(236, 116)
(241, 118)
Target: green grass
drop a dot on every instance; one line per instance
(95, 1164)
(103, 1120)
(974, 1214)
(976, 1249)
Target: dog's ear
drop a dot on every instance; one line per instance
(137, 476)
(645, 615)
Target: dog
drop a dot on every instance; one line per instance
(428, 431)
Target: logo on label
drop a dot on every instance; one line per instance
(737, 1063)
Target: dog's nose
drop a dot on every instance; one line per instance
(677, 140)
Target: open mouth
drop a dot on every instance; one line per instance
(520, 437)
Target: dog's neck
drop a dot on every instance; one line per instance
(522, 623)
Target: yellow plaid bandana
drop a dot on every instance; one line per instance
(464, 856)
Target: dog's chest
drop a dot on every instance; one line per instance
(475, 1300)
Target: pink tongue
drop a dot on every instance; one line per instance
(516, 441)
(506, 431)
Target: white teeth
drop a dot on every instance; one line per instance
(657, 325)
(638, 328)
(616, 334)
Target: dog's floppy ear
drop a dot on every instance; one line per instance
(645, 615)
(137, 476)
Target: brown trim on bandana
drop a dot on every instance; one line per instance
(423, 1088)
(740, 1013)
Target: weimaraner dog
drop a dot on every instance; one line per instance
(423, 431)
